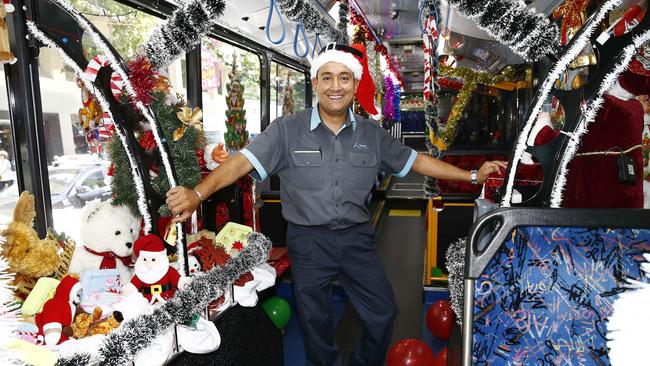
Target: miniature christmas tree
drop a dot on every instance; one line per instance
(236, 135)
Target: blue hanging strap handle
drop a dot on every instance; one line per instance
(300, 29)
(317, 45)
(272, 7)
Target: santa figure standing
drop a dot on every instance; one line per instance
(154, 277)
(54, 320)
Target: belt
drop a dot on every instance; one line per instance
(156, 289)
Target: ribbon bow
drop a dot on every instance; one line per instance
(573, 16)
(190, 118)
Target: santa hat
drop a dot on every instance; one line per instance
(342, 54)
(355, 58)
(149, 243)
(68, 285)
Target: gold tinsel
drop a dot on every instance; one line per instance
(471, 79)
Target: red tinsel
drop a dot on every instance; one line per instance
(147, 141)
(144, 79)
(393, 66)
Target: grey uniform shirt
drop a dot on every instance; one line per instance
(326, 177)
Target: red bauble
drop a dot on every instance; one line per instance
(410, 352)
(440, 319)
(441, 358)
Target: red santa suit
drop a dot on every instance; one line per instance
(592, 181)
(58, 312)
(154, 278)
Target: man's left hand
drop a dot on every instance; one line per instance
(488, 168)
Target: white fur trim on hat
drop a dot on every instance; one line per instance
(341, 57)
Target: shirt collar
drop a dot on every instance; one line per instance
(315, 119)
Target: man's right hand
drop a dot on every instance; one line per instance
(182, 203)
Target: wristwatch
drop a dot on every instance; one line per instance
(473, 176)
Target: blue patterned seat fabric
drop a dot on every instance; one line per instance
(545, 296)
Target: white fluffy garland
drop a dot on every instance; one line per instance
(139, 186)
(145, 111)
(590, 116)
(628, 324)
(545, 89)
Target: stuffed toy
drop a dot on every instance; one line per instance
(214, 155)
(107, 236)
(86, 325)
(154, 277)
(193, 263)
(54, 320)
(29, 257)
(6, 57)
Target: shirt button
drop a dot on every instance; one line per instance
(337, 160)
(336, 183)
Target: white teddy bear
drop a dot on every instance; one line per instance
(107, 235)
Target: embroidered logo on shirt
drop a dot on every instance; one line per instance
(360, 146)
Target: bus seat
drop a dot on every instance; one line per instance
(542, 288)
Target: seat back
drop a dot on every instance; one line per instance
(544, 286)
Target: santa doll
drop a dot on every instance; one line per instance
(58, 313)
(154, 277)
(593, 177)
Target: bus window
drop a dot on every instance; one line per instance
(8, 183)
(76, 146)
(287, 90)
(216, 66)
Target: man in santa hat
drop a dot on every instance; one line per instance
(327, 159)
(154, 277)
(58, 312)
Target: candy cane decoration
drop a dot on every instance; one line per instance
(429, 53)
(93, 68)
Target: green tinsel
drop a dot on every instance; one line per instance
(183, 155)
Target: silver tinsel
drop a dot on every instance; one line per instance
(182, 31)
(528, 33)
(455, 261)
(301, 11)
(344, 16)
(134, 335)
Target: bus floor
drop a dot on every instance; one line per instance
(401, 236)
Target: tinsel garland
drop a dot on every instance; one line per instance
(455, 262)
(471, 80)
(590, 116)
(344, 15)
(302, 11)
(236, 136)
(134, 335)
(138, 193)
(431, 37)
(389, 97)
(527, 32)
(186, 162)
(182, 31)
(544, 90)
(9, 312)
(359, 21)
(359, 37)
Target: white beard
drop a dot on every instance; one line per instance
(153, 273)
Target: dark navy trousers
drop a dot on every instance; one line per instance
(318, 255)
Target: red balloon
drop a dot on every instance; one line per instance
(441, 359)
(410, 352)
(440, 319)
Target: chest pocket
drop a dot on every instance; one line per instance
(308, 168)
(365, 169)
